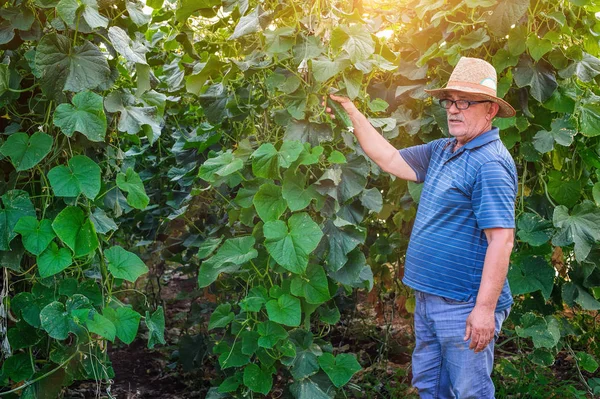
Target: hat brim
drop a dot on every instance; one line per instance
(505, 111)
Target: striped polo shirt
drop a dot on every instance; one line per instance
(465, 192)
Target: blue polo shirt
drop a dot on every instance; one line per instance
(465, 192)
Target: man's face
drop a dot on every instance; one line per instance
(468, 123)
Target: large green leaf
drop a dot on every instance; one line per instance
(258, 379)
(126, 322)
(124, 264)
(563, 189)
(222, 165)
(63, 67)
(221, 316)
(291, 245)
(255, 299)
(132, 184)
(132, 51)
(185, 8)
(339, 368)
(71, 11)
(295, 192)
(16, 204)
(36, 235)
(581, 227)
(529, 274)
(324, 69)
(539, 77)
(474, 39)
(359, 45)
(355, 272)
(264, 162)
(562, 133)
(76, 231)
(18, 367)
(313, 287)
(26, 151)
(80, 176)
(545, 333)
(285, 310)
(134, 119)
(270, 333)
(86, 116)
(269, 203)
(575, 294)
(312, 388)
(505, 14)
(55, 320)
(586, 69)
(533, 229)
(156, 327)
(342, 237)
(250, 23)
(308, 132)
(589, 116)
(235, 251)
(102, 326)
(342, 182)
(53, 260)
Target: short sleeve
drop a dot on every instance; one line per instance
(417, 157)
(494, 195)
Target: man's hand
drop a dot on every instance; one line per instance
(345, 102)
(480, 328)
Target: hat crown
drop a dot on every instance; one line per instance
(474, 71)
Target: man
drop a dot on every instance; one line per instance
(458, 255)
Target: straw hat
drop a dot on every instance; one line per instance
(475, 76)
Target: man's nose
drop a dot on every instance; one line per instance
(453, 109)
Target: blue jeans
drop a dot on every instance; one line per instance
(442, 363)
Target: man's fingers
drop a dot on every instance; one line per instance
(467, 332)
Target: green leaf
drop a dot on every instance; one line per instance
(71, 10)
(292, 247)
(81, 175)
(285, 310)
(324, 69)
(126, 322)
(86, 116)
(55, 320)
(102, 326)
(339, 368)
(36, 235)
(66, 68)
(596, 193)
(575, 294)
(533, 229)
(24, 151)
(76, 231)
(265, 162)
(342, 182)
(308, 132)
(562, 132)
(538, 47)
(134, 119)
(270, 333)
(544, 332)
(16, 204)
(208, 247)
(587, 362)
(539, 77)
(353, 82)
(586, 69)
(230, 384)
(289, 152)
(53, 260)
(130, 50)
(336, 157)
(504, 59)
(295, 192)
(156, 327)
(589, 116)
(124, 264)
(312, 388)
(250, 23)
(474, 39)
(223, 165)
(505, 14)
(329, 315)
(372, 200)
(231, 356)
(257, 379)
(581, 227)
(255, 299)
(132, 184)
(137, 14)
(562, 189)
(342, 238)
(102, 222)
(360, 44)
(18, 367)
(234, 252)
(314, 286)
(355, 272)
(269, 203)
(185, 8)
(529, 274)
(221, 316)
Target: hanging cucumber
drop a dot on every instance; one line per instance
(340, 113)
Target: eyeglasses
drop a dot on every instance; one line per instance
(460, 104)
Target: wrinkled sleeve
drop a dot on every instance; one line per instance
(494, 195)
(417, 157)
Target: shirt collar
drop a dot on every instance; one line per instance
(484, 138)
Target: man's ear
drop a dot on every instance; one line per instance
(493, 110)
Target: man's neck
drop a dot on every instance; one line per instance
(460, 143)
